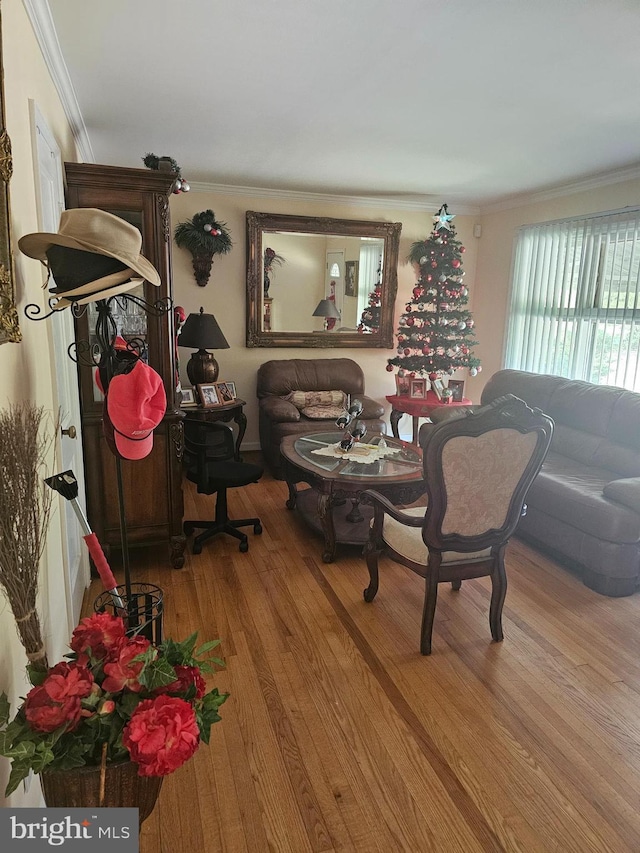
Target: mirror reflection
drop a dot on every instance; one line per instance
(314, 281)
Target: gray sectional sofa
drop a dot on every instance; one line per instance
(584, 505)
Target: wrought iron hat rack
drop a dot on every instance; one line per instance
(103, 354)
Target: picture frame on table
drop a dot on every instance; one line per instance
(437, 386)
(418, 389)
(226, 392)
(456, 386)
(188, 398)
(403, 386)
(208, 395)
(351, 278)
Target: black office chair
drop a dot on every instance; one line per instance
(209, 456)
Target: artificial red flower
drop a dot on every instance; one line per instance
(57, 700)
(98, 633)
(66, 680)
(161, 735)
(123, 671)
(185, 677)
(45, 715)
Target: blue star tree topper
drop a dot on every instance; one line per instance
(443, 218)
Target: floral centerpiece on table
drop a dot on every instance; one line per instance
(117, 698)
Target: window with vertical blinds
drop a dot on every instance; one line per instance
(575, 299)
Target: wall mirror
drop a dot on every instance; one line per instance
(320, 282)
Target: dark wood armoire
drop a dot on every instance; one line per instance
(152, 487)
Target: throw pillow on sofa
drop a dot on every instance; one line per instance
(318, 405)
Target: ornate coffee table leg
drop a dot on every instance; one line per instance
(394, 419)
(325, 515)
(354, 515)
(293, 496)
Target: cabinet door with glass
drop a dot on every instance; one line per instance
(153, 504)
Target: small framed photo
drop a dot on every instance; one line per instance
(437, 386)
(188, 398)
(225, 392)
(418, 389)
(208, 395)
(456, 386)
(402, 386)
(351, 278)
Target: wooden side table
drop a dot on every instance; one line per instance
(417, 409)
(230, 411)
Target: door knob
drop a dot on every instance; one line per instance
(71, 432)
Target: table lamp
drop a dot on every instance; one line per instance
(201, 331)
(326, 308)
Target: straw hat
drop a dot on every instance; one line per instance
(88, 229)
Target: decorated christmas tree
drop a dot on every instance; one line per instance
(370, 320)
(436, 335)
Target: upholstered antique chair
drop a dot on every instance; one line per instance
(477, 470)
(209, 450)
(299, 396)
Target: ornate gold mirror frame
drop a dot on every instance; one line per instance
(9, 328)
(259, 228)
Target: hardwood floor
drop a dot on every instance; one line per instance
(340, 736)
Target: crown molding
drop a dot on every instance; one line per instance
(422, 203)
(39, 14)
(616, 176)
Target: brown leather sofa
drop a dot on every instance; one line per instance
(278, 416)
(584, 505)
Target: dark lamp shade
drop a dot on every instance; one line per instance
(201, 331)
(326, 308)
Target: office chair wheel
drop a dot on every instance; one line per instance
(257, 529)
(197, 548)
(187, 529)
(243, 547)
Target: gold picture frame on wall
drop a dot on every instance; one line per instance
(9, 327)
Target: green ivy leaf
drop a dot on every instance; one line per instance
(156, 674)
(19, 771)
(207, 712)
(5, 709)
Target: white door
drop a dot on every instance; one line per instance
(334, 284)
(49, 191)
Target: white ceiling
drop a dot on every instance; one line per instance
(451, 100)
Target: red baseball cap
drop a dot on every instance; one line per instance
(119, 345)
(136, 403)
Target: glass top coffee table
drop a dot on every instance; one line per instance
(332, 506)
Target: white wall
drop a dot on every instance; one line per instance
(26, 368)
(225, 295)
